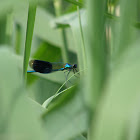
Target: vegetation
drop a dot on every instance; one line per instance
(101, 101)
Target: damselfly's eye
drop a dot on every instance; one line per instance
(74, 65)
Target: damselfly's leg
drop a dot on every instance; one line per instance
(67, 76)
(66, 71)
(75, 72)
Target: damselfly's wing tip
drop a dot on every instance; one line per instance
(31, 63)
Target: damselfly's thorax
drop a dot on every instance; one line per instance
(69, 66)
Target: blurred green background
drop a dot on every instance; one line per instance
(102, 38)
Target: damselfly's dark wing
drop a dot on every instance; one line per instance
(41, 66)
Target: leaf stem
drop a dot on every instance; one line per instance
(82, 37)
(29, 36)
(58, 11)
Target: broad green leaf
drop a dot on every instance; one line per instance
(58, 76)
(58, 92)
(69, 115)
(96, 50)
(79, 138)
(116, 113)
(8, 5)
(25, 121)
(73, 21)
(20, 116)
(127, 35)
(48, 52)
(11, 82)
(43, 27)
(42, 89)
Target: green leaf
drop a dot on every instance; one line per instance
(8, 5)
(43, 27)
(79, 138)
(119, 111)
(75, 2)
(3, 36)
(20, 115)
(29, 35)
(25, 122)
(68, 113)
(113, 17)
(49, 100)
(9, 90)
(18, 38)
(42, 89)
(96, 50)
(137, 25)
(73, 21)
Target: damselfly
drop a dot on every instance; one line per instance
(48, 67)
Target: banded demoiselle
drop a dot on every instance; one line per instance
(48, 67)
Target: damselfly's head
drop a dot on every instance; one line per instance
(74, 66)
